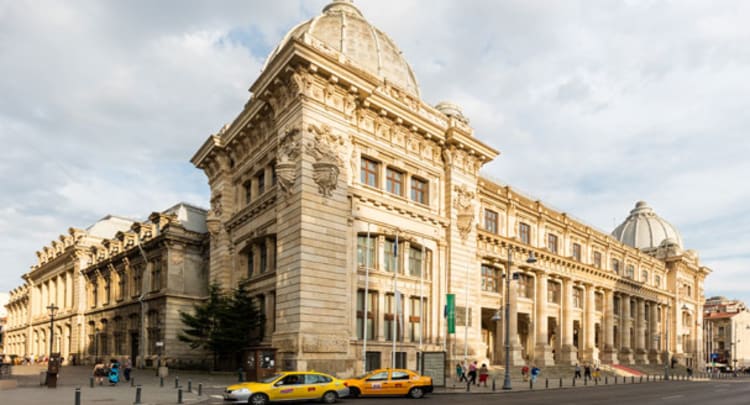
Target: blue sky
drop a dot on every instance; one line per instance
(594, 106)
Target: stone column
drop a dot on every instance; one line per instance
(640, 329)
(626, 353)
(542, 350)
(653, 354)
(591, 353)
(568, 352)
(516, 352)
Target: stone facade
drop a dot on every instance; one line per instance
(335, 187)
(105, 280)
(727, 330)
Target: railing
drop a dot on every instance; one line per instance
(5, 370)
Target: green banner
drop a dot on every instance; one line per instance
(450, 312)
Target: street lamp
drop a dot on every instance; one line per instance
(96, 344)
(531, 259)
(52, 308)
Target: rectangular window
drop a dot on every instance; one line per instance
(418, 313)
(598, 302)
(260, 178)
(390, 255)
(263, 258)
(274, 177)
(247, 186)
(657, 281)
(597, 260)
(552, 242)
(616, 266)
(577, 252)
(644, 276)
(490, 221)
(524, 232)
(632, 309)
(419, 190)
(630, 272)
(525, 286)
(392, 317)
(107, 289)
(490, 279)
(553, 292)
(366, 250)
(369, 172)
(95, 293)
(616, 305)
(415, 261)
(394, 181)
(122, 285)
(371, 311)
(156, 275)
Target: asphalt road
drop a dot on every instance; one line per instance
(723, 392)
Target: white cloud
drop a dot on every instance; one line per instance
(594, 105)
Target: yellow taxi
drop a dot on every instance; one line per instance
(390, 381)
(288, 386)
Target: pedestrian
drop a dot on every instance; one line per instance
(127, 368)
(578, 371)
(587, 371)
(535, 371)
(525, 372)
(99, 371)
(460, 373)
(473, 373)
(597, 373)
(484, 372)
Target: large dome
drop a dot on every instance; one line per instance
(643, 229)
(342, 28)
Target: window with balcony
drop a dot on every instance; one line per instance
(598, 260)
(419, 190)
(577, 252)
(260, 179)
(415, 261)
(369, 172)
(524, 232)
(553, 292)
(391, 255)
(552, 243)
(616, 266)
(490, 221)
(394, 181)
(630, 271)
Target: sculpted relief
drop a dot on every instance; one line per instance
(463, 201)
(286, 164)
(326, 149)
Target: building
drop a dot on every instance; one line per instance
(727, 330)
(353, 209)
(105, 280)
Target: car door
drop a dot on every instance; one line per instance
(376, 383)
(288, 388)
(316, 385)
(399, 383)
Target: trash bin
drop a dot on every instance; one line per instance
(42, 378)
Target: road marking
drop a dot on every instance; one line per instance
(217, 396)
(673, 397)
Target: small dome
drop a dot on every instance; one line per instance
(451, 110)
(643, 229)
(342, 28)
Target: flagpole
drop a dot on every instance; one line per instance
(421, 304)
(466, 318)
(395, 301)
(365, 316)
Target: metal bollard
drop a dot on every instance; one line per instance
(596, 381)
(585, 381)
(640, 382)
(546, 383)
(200, 389)
(615, 380)
(493, 384)
(176, 382)
(78, 396)
(606, 380)
(91, 382)
(632, 379)
(239, 374)
(468, 386)
(531, 383)
(574, 382)
(561, 383)
(179, 395)
(137, 395)
(190, 385)
(161, 381)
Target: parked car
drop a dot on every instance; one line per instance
(390, 382)
(287, 386)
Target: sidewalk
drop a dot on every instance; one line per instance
(29, 392)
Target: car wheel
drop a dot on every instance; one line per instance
(330, 397)
(258, 399)
(416, 393)
(354, 392)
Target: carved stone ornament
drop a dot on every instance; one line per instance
(286, 166)
(464, 203)
(213, 226)
(325, 148)
(216, 206)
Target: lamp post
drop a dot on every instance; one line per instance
(52, 308)
(508, 274)
(96, 344)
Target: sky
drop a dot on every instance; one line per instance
(594, 105)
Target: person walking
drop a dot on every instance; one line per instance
(484, 372)
(99, 371)
(596, 374)
(473, 373)
(525, 372)
(460, 373)
(535, 371)
(578, 372)
(128, 366)
(587, 371)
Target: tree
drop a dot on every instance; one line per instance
(224, 324)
